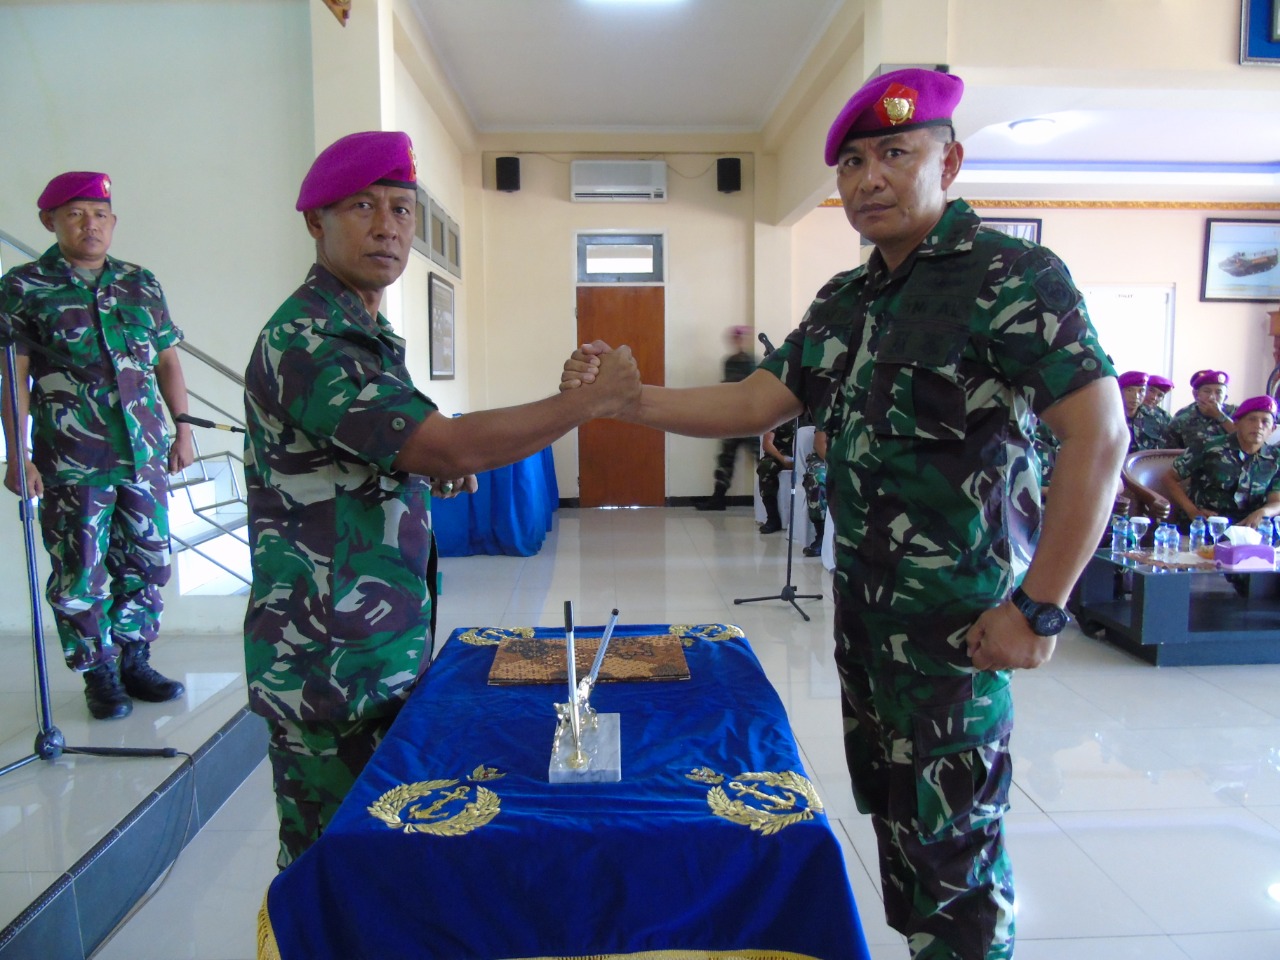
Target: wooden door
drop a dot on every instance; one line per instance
(621, 464)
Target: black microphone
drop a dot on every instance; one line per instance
(764, 338)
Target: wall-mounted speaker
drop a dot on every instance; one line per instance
(728, 174)
(508, 174)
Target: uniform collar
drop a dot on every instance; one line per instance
(52, 261)
(352, 307)
(953, 233)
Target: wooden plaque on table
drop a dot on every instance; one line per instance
(528, 660)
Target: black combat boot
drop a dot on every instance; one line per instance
(815, 549)
(106, 697)
(773, 519)
(715, 501)
(140, 678)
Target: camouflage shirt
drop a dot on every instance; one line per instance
(108, 428)
(1189, 427)
(1225, 480)
(1147, 429)
(932, 480)
(338, 619)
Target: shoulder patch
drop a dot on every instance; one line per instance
(1054, 287)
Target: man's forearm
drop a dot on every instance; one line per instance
(15, 428)
(749, 407)
(173, 386)
(1085, 480)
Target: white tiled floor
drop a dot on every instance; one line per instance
(1146, 810)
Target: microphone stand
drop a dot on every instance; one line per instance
(49, 743)
(788, 592)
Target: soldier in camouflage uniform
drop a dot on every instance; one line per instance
(777, 446)
(1207, 417)
(100, 445)
(928, 366)
(737, 366)
(1235, 476)
(338, 451)
(1145, 430)
(1157, 388)
(815, 491)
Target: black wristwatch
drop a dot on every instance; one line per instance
(1046, 619)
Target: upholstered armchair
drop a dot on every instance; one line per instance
(1143, 475)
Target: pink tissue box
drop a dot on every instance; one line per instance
(1245, 556)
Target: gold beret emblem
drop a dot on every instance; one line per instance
(899, 109)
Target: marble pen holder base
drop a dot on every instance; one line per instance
(601, 760)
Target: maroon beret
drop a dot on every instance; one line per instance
(1253, 404)
(76, 185)
(1162, 383)
(1202, 377)
(895, 101)
(1133, 378)
(357, 161)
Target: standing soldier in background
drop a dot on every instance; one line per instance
(339, 450)
(737, 367)
(1205, 418)
(100, 447)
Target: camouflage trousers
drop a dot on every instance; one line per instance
(928, 755)
(815, 487)
(769, 471)
(109, 556)
(727, 458)
(313, 767)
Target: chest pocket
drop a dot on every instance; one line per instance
(138, 324)
(915, 390)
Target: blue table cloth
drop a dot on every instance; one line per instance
(453, 844)
(511, 512)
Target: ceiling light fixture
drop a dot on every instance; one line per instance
(1033, 130)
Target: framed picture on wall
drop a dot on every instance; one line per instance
(1260, 31)
(441, 309)
(1022, 227)
(1241, 260)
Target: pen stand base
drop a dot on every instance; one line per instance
(601, 755)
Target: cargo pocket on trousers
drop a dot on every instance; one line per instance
(962, 764)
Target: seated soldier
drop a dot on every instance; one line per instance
(1235, 476)
(778, 445)
(815, 491)
(1145, 431)
(1157, 388)
(1207, 417)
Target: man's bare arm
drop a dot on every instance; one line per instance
(444, 446)
(173, 387)
(1091, 426)
(15, 430)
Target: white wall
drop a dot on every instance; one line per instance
(530, 258)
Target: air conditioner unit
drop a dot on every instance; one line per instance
(618, 180)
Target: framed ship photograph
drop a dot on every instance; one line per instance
(1241, 260)
(440, 310)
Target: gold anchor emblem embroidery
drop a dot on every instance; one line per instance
(774, 801)
(398, 809)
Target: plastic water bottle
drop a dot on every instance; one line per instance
(1167, 540)
(1267, 528)
(1198, 533)
(1119, 533)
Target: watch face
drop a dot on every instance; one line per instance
(1049, 621)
